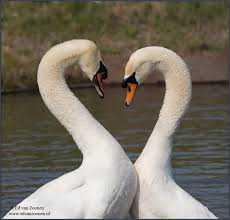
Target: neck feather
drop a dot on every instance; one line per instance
(177, 96)
(176, 101)
(64, 105)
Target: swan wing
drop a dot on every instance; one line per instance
(61, 194)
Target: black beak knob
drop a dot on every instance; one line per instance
(103, 71)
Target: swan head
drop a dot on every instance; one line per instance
(92, 65)
(136, 71)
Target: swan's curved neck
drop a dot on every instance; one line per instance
(176, 101)
(177, 96)
(59, 99)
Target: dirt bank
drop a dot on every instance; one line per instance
(194, 30)
(204, 68)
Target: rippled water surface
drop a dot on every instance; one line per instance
(36, 148)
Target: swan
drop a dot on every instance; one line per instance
(105, 184)
(158, 195)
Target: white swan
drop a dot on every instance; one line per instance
(158, 196)
(105, 184)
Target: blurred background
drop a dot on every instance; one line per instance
(198, 31)
(36, 148)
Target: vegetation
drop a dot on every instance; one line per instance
(117, 27)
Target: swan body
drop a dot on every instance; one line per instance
(158, 195)
(105, 184)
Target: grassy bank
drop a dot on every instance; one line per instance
(30, 29)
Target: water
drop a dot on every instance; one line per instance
(36, 148)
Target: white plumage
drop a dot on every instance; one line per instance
(105, 184)
(158, 196)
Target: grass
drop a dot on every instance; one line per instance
(117, 27)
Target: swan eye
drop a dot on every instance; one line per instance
(130, 79)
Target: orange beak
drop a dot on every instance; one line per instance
(131, 90)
